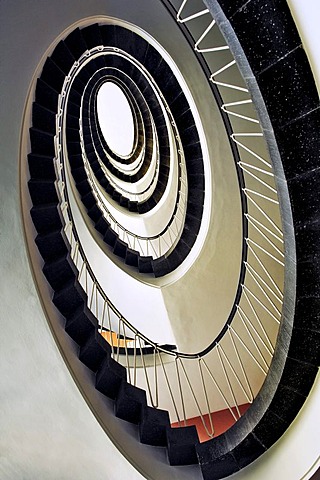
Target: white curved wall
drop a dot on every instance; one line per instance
(47, 430)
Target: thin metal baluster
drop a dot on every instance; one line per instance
(92, 295)
(207, 400)
(248, 351)
(195, 399)
(81, 270)
(180, 391)
(235, 373)
(135, 360)
(264, 214)
(245, 317)
(266, 271)
(238, 115)
(253, 220)
(261, 303)
(146, 374)
(126, 351)
(234, 137)
(222, 69)
(253, 341)
(219, 389)
(248, 240)
(228, 381)
(97, 305)
(118, 339)
(103, 315)
(253, 273)
(241, 364)
(170, 389)
(258, 320)
(258, 179)
(268, 240)
(156, 377)
(261, 195)
(110, 330)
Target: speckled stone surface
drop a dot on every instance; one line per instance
(274, 28)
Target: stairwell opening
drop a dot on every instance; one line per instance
(115, 118)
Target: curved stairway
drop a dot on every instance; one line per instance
(223, 455)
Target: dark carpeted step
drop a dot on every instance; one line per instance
(92, 35)
(52, 245)
(145, 264)
(62, 57)
(43, 118)
(120, 248)
(42, 191)
(76, 43)
(46, 96)
(81, 325)
(109, 377)
(60, 271)
(129, 402)
(153, 425)
(53, 75)
(46, 218)
(42, 142)
(161, 266)
(110, 237)
(94, 351)
(69, 298)
(182, 443)
(132, 257)
(41, 166)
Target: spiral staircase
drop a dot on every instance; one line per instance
(71, 169)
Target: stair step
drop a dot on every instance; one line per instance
(43, 118)
(69, 298)
(41, 167)
(129, 402)
(174, 260)
(52, 245)
(75, 43)
(81, 325)
(74, 148)
(110, 237)
(182, 443)
(83, 187)
(42, 191)
(95, 213)
(46, 95)
(102, 225)
(120, 248)
(62, 57)
(60, 271)
(160, 266)
(132, 257)
(133, 206)
(124, 202)
(94, 351)
(42, 142)
(145, 264)
(88, 200)
(72, 122)
(53, 75)
(46, 218)
(72, 134)
(79, 174)
(153, 426)
(75, 161)
(109, 377)
(92, 35)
